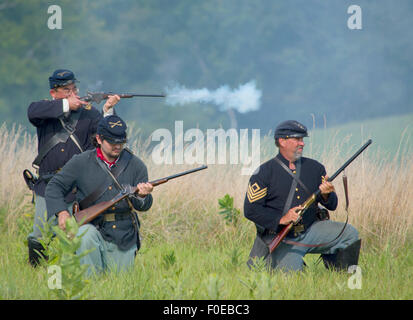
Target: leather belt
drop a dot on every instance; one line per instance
(110, 217)
(298, 229)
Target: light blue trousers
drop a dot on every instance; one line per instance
(288, 257)
(106, 255)
(40, 216)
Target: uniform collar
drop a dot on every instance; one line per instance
(284, 160)
(100, 155)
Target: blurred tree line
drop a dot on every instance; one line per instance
(301, 53)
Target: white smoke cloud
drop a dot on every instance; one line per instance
(243, 99)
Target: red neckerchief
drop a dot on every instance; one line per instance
(102, 157)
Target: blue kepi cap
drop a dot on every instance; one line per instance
(113, 129)
(61, 77)
(290, 129)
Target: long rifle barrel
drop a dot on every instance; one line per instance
(346, 164)
(88, 214)
(99, 96)
(127, 95)
(166, 179)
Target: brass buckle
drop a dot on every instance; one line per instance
(298, 229)
(109, 217)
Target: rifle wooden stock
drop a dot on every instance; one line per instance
(86, 215)
(283, 233)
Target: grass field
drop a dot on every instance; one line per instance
(190, 252)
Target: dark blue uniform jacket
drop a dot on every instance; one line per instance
(268, 190)
(44, 116)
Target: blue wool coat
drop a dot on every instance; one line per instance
(44, 116)
(84, 173)
(268, 191)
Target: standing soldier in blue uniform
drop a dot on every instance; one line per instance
(65, 126)
(276, 191)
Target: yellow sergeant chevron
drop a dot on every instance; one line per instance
(255, 192)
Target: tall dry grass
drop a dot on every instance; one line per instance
(381, 194)
(17, 151)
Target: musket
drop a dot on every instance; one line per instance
(86, 215)
(99, 96)
(283, 233)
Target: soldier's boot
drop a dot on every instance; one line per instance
(36, 252)
(343, 258)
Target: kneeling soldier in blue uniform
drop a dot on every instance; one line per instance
(98, 176)
(274, 196)
(65, 126)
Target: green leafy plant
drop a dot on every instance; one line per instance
(233, 258)
(168, 259)
(230, 214)
(61, 247)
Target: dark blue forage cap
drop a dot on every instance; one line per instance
(61, 77)
(290, 129)
(113, 129)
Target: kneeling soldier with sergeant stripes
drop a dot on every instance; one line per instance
(275, 193)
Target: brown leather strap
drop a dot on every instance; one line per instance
(345, 184)
(114, 174)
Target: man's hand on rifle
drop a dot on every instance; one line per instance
(326, 188)
(62, 216)
(292, 215)
(144, 189)
(74, 102)
(111, 102)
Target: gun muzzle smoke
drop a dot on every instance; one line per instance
(243, 99)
